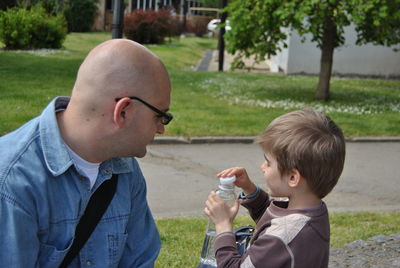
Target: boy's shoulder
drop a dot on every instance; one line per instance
(286, 224)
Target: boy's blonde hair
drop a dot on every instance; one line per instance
(310, 142)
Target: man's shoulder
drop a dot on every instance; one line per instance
(15, 146)
(20, 137)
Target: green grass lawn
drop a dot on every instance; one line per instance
(203, 103)
(182, 238)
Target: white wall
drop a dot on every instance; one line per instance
(279, 62)
(349, 59)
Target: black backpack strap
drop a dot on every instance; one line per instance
(94, 211)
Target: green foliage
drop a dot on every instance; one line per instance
(23, 29)
(210, 3)
(377, 22)
(15, 28)
(148, 27)
(80, 14)
(51, 6)
(260, 27)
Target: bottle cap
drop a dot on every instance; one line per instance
(227, 180)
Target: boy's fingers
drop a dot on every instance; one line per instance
(211, 196)
(207, 211)
(236, 205)
(229, 172)
(235, 209)
(223, 172)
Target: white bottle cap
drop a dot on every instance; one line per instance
(227, 180)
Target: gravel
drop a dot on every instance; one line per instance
(376, 252)
(39, 52)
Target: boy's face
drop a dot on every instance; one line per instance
(277, 184)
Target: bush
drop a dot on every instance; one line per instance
(194, 24)
(148, 27)
(197, 25)
(23, 29)
(176, 26)
(80, 14)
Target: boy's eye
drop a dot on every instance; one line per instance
(264, 165)
(266, 160)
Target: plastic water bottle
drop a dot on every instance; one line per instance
(226, 191)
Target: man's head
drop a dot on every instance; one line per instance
(310, 142)
(119, 100)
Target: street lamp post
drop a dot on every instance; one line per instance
(221, 42)
(117, 22)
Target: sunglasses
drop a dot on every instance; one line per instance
(165, 117)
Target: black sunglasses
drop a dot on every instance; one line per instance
(165, 117)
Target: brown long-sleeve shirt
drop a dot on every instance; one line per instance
(283, 237)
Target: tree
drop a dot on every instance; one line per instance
(51, 6)
(80, 14)
(258, 27)
(210, 3)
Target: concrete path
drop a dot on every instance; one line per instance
(180, 176)
(210, 62)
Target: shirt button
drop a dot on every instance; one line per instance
(82, 178)
(107, 171)
(89, 262)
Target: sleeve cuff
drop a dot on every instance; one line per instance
(250, 196)
(223, 240)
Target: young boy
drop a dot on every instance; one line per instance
(304, 154)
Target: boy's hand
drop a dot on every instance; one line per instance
(220, 213)
(242, 179)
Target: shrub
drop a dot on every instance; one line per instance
(194, 24)
(23, 29)
(80, 14)
(148, 27)
(176, 26)
(197, 25)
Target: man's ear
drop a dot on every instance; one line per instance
(294, 178)
(120, 111)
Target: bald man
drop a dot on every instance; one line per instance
(51, 166)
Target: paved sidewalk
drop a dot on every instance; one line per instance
(210, 62)
(180, 176)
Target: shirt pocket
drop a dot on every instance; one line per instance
(50, 256)
(116, 245)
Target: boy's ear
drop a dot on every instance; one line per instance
(294, 178)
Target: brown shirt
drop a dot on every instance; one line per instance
(283, 237)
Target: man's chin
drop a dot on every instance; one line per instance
(141, 154)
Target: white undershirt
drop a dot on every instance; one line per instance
(89, 169)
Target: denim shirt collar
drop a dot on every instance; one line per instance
(55, 151)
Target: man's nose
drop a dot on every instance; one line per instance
(160, 129)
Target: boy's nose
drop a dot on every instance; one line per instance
(262, 166)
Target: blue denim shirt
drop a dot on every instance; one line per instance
(43, 196)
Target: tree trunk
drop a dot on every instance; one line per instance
(328, 45)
